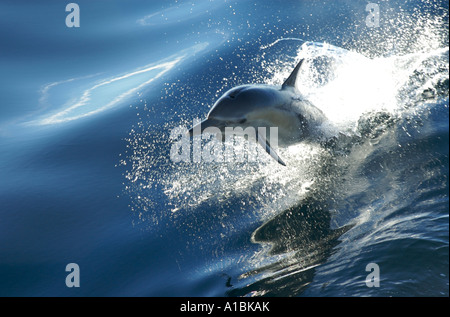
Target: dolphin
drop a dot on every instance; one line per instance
(262, 105)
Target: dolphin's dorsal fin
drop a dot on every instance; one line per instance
(290, 81)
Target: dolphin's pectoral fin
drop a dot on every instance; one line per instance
(290, 81)
(266, 145)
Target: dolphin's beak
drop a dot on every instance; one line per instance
(198, 128)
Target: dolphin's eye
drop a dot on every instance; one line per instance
(234, 93)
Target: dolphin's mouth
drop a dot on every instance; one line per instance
(207, 123)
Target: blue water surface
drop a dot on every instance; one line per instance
(85, 172)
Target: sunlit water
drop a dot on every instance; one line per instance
(86, 174)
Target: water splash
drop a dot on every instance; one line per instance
(346, 85)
